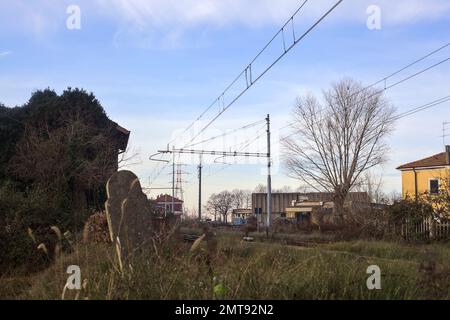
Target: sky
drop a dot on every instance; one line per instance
(156, 65)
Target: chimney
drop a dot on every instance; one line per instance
(447, 154)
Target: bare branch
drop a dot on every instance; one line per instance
(336, 141)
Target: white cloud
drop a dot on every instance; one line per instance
(187, 13)
(170, 19)
(5, 53)
(173, 13)
(166, 23)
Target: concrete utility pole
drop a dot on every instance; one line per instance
(444, 130)
(200, 189)
(173, 182)
(269, 179)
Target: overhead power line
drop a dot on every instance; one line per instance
(217, 153)
(244, 144)
(394, 118)
(250, 84)
(407, 113)
(409, 65)
(156, 176)
(240, 146)
(243, 72)
(389, 86)
(227, 133)
(227, 165)
(421, 108)
(377, 92)
(384, 79)
(249, 76)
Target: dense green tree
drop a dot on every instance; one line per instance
(56, 155)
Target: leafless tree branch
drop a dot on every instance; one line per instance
(335, 142)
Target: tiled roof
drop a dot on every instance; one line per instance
(121, 135)
(166, 198)
(434, 161)
(122, 130)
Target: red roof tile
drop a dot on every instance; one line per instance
(434, 161)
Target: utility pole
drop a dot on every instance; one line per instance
(179, 192)
(200, 189)
(228, 154)
(444, 130)
(173, 182)
(165, 205)
(269, 179)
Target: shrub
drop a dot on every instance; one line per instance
(33, 210)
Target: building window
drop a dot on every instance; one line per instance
(434, 186)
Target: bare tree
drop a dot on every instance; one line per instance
(284, 189)
(212, 206)
(130, 157)
(337, 140)
(238, 198)
(247, 199)
(223, 202)
(241, 198)
(394, 196)
(373, 186)
(220, 203)
(303, 189)
(260, 188)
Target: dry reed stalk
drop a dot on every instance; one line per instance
(197, 243)
(86, 233)
(64, 291)
(58, 233)
(31, 235)
(119, 255)
(43, 247)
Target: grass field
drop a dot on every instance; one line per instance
(232, 269)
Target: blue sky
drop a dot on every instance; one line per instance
(155, 65)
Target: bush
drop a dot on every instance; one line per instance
(409, 209)
(32, 212)
(96, 228)
(54, 162)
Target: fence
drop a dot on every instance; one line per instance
(424, 229)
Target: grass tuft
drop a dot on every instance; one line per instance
(243, 270)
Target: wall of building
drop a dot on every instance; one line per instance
(178, 206)
(280, 201)
(423, 178)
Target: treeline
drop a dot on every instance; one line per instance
(221, 204)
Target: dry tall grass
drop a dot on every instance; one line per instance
(233, 269)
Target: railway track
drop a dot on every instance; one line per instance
(190, 237)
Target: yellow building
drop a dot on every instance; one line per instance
(425, 175)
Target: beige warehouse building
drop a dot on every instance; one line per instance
(290, 203)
